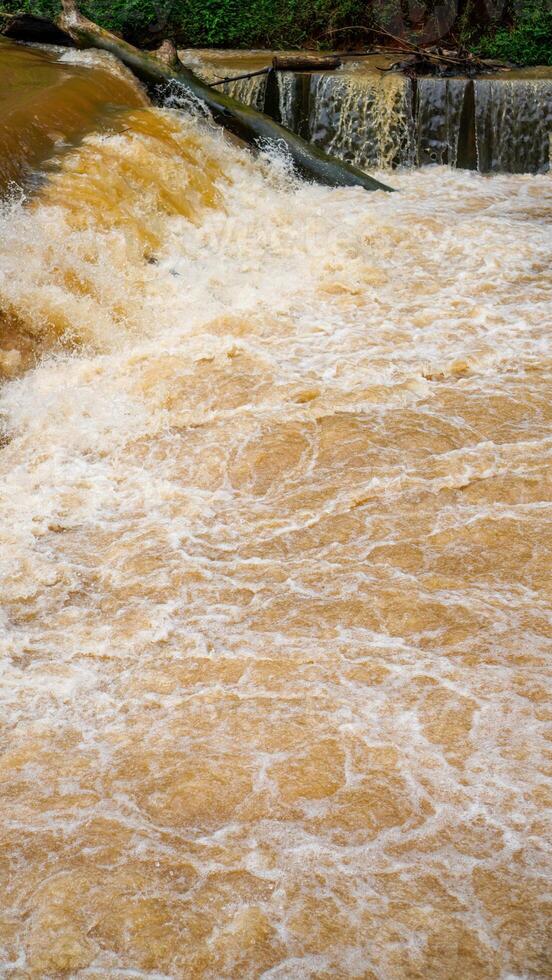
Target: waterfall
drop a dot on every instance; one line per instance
(213, 66)
(513, 120)
(290, 99)
(441, 104)
(381, 119)
(378, 119)
(490, 124)
(364, 118)
(250, 91)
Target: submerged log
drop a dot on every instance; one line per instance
(306, 62)
(249, 124)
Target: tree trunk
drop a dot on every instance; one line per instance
(250, 125)
(306, 62)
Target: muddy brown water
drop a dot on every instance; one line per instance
(274, 565)
(49, 98)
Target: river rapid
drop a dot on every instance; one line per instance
(274, 568)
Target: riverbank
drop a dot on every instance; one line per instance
(523, 35)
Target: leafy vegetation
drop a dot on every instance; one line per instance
(214, 23)
(527, 40)
(522, 35)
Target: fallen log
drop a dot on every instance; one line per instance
(299, 62)
(249, 124)
(306, 62)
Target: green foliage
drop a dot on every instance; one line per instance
(528, 40)
(524, 36)
(215, 23)
(43, 8)
(273, 23)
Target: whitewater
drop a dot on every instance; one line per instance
(274, 568)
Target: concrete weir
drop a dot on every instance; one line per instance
(500, 123)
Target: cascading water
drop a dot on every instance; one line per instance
(513, 121)
(378, 119)
(490, 124)
(362, 118)
(440, 107)
(290, 98)
(47, 100)
(248, 90)
(274, 568)
(251, 91)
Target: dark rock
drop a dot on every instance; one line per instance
(27, 27)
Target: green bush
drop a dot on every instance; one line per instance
(215, 23)
(43, 8)
(524, 36)
(271, 23)
(528, 40)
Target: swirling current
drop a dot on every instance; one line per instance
(274, 568)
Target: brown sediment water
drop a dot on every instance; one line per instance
(274, 569)
(50, 97)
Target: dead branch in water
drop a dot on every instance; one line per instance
(238, 78)
(432, 60)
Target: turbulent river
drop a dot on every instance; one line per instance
(274, 568)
